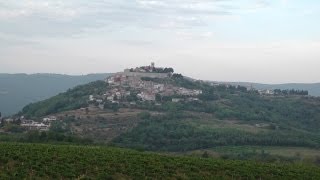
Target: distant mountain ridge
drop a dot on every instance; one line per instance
(18, 90)
(313, 88)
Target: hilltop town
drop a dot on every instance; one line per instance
(27, 124)
(133, 85)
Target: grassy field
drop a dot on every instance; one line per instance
(37, 161)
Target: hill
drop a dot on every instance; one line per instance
(36, 161)
(18, 90)
(313, 88)
(219, 116)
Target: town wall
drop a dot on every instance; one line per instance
(150, 75)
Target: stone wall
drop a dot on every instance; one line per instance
(150, 75)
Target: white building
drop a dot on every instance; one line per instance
(49, 119)
(197, 92)
(159, 87)
(176, 100)
(110, 80)
(147, 96)
(91, 98)
(110, 98)
(99, 100)
(266, 92)
(193, 99)
(36, 126)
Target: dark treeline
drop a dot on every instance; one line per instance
(290, 92)
(44, 137)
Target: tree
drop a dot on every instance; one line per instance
(205, 155)
(115, 107)
(177, 76)
(144, 115)
(170, 70)
(158, 97)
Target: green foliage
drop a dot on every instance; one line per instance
(49, 137)
(35, 161)
(59, 127)
(234, 102)
(53, 137)
(177, 76)
(144, 115)
(205, 155)
(13, 128)
(292, 120)
(113, 106)
(291, 92)
(172, 133)
(72, 99)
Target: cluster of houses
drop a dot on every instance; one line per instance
(31, 124)
(266, 92)
(125, 83)
(41, 126)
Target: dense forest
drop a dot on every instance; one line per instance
(36, 161)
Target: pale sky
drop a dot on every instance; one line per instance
(267, 41)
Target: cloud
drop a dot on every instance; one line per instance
(11, 10)
(65, 18)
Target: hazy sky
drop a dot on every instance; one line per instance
(270, 41)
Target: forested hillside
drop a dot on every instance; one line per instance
(72, 99)
(18, 90)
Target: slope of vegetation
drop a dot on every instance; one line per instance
(18, 90)
(236, 102)
(283, 120)
(35, 161)
(72, 99)
(179, 133)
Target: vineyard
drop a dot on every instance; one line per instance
(38, 161)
